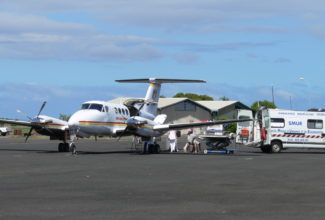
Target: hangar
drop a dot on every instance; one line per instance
(181, 110)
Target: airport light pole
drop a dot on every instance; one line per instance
(273, 95)
(308, 91)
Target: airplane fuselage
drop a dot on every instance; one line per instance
(98, 118)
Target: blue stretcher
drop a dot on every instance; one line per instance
(227, 151)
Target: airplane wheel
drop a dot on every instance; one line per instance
(157, 148)
(151, 148)
(72, 148)
(145, 148)
(66, 147)
(61, 147)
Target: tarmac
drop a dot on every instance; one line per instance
(109, 180)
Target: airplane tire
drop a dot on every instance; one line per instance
(157, 149)
(66, 147)
(151, 148)
(61, 147)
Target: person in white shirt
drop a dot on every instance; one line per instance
(172, 137)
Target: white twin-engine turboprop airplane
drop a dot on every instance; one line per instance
(135, 117)
(45, 125)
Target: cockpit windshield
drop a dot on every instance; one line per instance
(85, 106)
(92, 106)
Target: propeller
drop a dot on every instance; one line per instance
(24, 114)
(42, 107)
(132, 124)
(33, 120)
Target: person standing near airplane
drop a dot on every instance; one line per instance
(172, 137)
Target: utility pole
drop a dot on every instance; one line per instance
(273, 95)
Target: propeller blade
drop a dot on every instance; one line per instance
(42, 107)
(123, 133)
(24, 114)
(29, 134)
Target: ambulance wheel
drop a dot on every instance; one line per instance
(276, 147)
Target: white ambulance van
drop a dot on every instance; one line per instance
(276, 129)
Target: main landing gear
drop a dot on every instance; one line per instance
(151, 148)
(66, 147)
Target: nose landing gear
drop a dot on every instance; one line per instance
(63, 147)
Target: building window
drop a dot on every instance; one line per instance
(185, 106)
(277, 123)
(315, 124)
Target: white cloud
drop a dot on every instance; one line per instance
(37, 37)
(174, 13)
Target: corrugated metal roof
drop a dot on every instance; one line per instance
(216, 105)
(165, 102)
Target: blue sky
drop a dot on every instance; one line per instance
(67, 52)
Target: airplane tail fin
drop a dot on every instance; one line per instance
(150, 107)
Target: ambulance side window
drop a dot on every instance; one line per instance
(277, 123)
(315, 124)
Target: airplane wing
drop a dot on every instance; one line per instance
(16, 122)
(167, 127)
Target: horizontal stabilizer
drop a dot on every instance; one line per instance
(159, 81)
